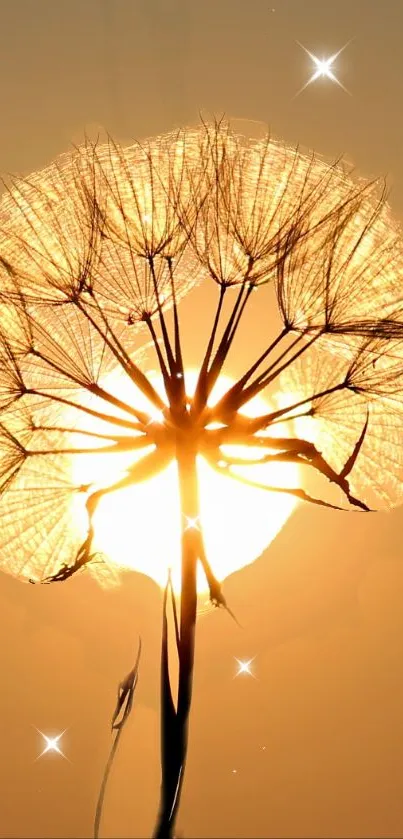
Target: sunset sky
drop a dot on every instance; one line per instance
(313, 746)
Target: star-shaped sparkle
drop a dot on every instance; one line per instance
(323, 68)
(157, 418)
(192, 524)
(52, 744)
(244, 667)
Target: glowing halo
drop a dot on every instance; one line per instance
(139, 527)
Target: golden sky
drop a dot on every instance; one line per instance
(317, 738)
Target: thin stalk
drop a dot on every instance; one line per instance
(135, 374)
(168, 720)
(200, 397)
(109, 418)
(242, 430)
(104, 783)
(225, 403)
(268, 377)
(93, 388)
(179, 381)
(175, 730)
(259, 423)
(226, 340)
(272, 367)
(174, 612)
(140, 416)
(161, 360)
(125, 445)
(167, 343)
(178, 343)
(117, 438)
(123, 708)
(238, 318)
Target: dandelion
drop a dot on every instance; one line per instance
(96, 253)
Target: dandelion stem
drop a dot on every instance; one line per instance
(175, 729)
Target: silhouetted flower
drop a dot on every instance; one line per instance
(96, 252)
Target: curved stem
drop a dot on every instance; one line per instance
(174, 727)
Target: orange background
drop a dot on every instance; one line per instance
(322, 609)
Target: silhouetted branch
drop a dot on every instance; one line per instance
(146, 468)
(124, 706)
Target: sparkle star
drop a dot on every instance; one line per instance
(323, 68)
(158, 417)
(192, 524)
(52, 744)
(244, 668)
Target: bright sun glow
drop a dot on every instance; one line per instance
(139, 527)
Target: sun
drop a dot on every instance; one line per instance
(139, 527)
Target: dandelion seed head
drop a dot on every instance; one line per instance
(95, 246)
